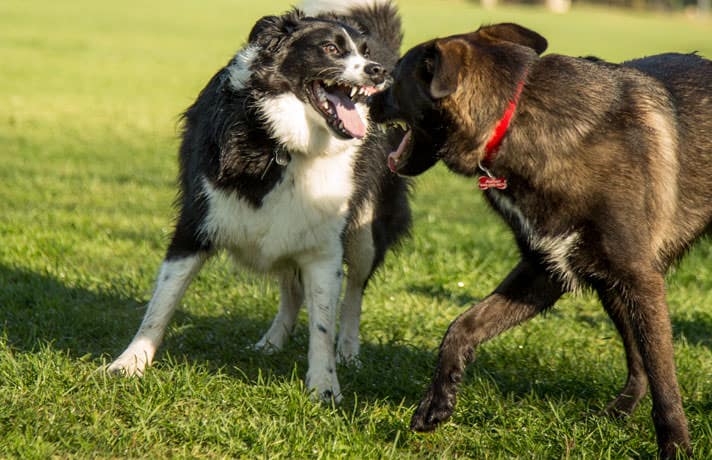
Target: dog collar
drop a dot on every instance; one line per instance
(281, 156)
(495, 141)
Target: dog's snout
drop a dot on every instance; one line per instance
(376, 72)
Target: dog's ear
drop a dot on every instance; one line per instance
(516, 34)
(271, 31)
(444, 65)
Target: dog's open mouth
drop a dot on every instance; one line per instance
(336, 102)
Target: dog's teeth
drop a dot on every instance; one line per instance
(354, 90)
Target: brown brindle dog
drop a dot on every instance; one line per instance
(603, 171)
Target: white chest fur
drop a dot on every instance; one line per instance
(556, 249)
(302, 216)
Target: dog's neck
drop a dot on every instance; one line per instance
(495, 141)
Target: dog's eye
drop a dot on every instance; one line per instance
(330, 48)
(365, 52)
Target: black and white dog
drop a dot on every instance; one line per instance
(278, 166)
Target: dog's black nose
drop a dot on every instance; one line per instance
(376, 72)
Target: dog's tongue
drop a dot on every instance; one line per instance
(347, 113)
(394, 157)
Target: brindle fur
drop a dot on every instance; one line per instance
(609, 171)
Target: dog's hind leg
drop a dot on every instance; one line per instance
(360, 257)
(527, 291)
(647, 312)
(637, 382)
(291, 297)
(173, 279)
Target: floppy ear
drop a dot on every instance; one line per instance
(514, 33)
(271, 31)
(444, 66)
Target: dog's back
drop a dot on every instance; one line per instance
(687, 79)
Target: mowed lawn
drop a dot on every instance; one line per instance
(90, 94)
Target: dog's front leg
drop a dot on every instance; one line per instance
(174, 277)
(322, 286)
(526, 291)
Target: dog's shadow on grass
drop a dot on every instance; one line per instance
(439, 292)
(40, 309)
(696, 328)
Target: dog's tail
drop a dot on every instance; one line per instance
(378, 18)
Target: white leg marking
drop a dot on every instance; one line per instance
(173, 279)
(291, 299)
(322, 285)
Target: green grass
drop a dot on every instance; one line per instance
(90, 94)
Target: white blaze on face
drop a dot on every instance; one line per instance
(355, 64)
(351, 114)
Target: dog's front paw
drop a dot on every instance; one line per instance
(135, 359)
(435, 408)
(324, 386)
(130, 365)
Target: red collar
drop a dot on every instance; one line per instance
(495, 141)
